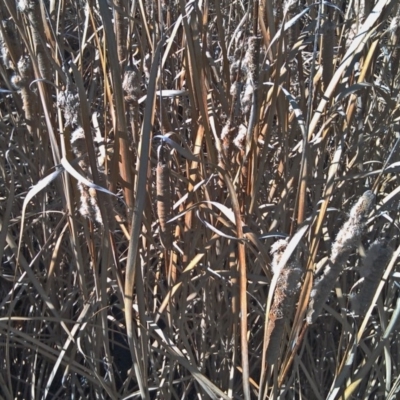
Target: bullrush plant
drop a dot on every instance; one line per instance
(199, 199)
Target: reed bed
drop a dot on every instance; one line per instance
(199, 199)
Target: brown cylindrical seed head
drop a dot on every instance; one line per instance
(164, 204)
(328, 46)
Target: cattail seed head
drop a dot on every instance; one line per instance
(328, 45)
(350, 233)
(250, 59)
(247, 98)
(363, 206)
(237, 71)
(78, 142)
(132, 84)
(376, 260)
(68, 101)
(277, 249)
(236, 88)
(89, 201)
(10, 49)
(25, 69)
(164, 203)
(25, 6)
(346, 241)
(146, 66)
(227, 134)
(285, 295)
(29, 98)
(240, 138)
(85, 207)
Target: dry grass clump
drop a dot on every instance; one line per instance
(150, 155)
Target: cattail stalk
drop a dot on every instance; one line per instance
(346, 242)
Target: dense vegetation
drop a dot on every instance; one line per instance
(199, 199)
